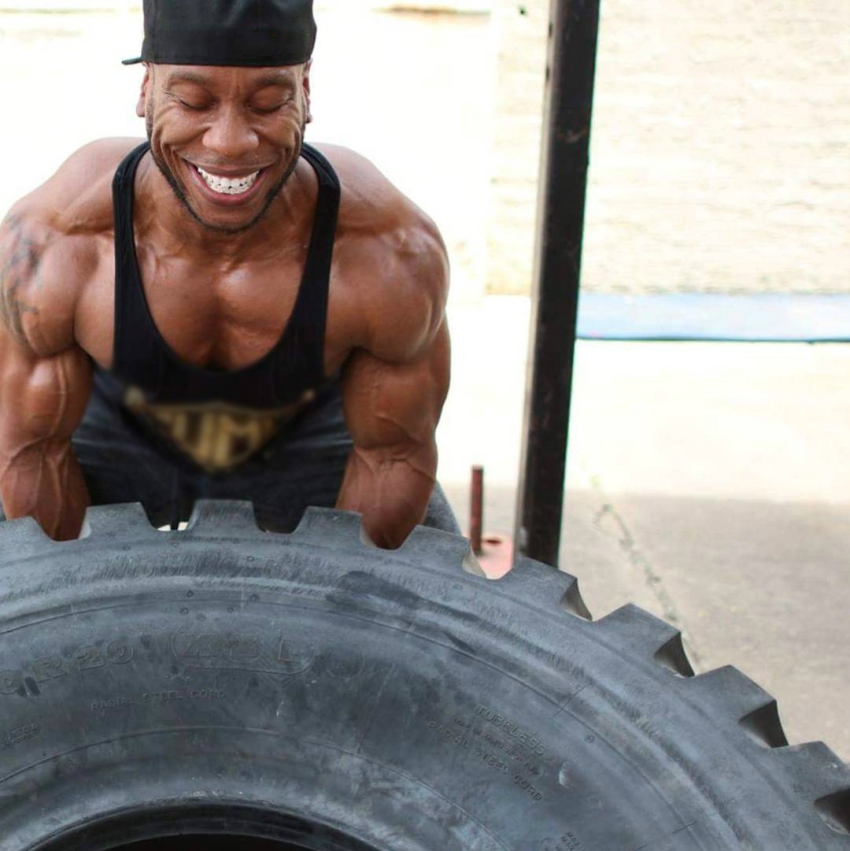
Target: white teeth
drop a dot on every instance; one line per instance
(226, 185)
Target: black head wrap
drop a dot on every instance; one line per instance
(252, 33)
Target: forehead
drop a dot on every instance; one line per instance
(224, 76)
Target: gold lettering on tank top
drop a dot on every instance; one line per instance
(218, 437)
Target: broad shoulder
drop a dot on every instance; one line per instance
(394, 259)
(371, 204)
(51, 243)
(78, 197)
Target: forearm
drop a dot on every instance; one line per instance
(390, 491)
(45, 482)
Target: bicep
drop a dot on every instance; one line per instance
(393, 407)
(42, 399)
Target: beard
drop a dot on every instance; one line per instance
(180, 192)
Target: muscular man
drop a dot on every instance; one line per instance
(222, 311)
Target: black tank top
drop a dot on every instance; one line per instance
(218, 419)
(142, 359)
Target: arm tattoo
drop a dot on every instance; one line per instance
(20, 269)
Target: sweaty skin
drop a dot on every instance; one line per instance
(220, 273)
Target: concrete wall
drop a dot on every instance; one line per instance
(519, 35)
(720, 149)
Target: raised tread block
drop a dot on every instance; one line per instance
(573, 602)
(332, 527)
(437, 549)
(821, 777)
(657, 639)
(116, 521)
(21, 539)
(532, 580)
(213, 517)
(834, 809)
(737, 696)
(765, 725)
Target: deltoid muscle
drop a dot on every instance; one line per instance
(18, 272)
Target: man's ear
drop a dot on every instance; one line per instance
(305, 88)
(144, 94)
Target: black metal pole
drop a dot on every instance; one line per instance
(573, 36)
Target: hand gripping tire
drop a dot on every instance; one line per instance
(309, 691)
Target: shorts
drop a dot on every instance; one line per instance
(302, 465)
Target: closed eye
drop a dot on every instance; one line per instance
(195, 107)
(264, 109)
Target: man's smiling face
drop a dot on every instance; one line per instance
(226, 138)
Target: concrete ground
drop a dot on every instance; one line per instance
(708, 483)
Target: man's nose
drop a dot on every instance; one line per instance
(230, 135)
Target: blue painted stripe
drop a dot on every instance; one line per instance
(761, 317)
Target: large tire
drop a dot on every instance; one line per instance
(310, 689)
